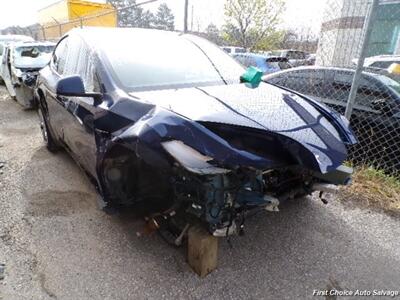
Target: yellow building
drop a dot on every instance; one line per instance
(60, 17)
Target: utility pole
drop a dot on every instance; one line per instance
(185, 20)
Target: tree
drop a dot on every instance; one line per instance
(249, 22)
(164, 18)
(212, 33)
(134, 16)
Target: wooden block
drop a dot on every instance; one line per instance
(202, 251)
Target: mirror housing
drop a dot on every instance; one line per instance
(72, 86)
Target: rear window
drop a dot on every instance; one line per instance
(282, 65)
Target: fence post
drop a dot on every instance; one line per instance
(361, 59)
(43, 32)
(185, 17)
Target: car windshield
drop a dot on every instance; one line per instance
(181, 61)
(33, 51)
(36, 56)
(394, 85)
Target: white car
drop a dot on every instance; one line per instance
(233, 50)
(10, 38)
(21, 64)
(380, 62)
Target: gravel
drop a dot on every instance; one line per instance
(57, 244)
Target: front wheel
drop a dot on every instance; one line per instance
(44, 127)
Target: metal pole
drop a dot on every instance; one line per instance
(191, 21)
(185, 17)
(360, 63)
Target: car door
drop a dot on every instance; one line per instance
(52, 74)
(78, 124)
(6, 70)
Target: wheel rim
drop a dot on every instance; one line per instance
(43, 127)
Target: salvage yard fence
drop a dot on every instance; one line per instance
(342, 74)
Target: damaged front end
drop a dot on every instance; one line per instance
(26, 62)
(215, 174)
(24, 83)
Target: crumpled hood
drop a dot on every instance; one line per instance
(266, 107)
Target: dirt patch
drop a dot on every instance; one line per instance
(58, 203)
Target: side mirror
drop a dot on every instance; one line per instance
(72, 86)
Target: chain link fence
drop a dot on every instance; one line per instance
(363, 32)
(375, 113)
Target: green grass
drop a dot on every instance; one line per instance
(374, 188)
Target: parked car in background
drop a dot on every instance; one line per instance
(311, 58)
(380, 62)
(10, 38)
(233, 50)
(295, 57)
(182, 135)
(267, 64)
(377, 107)
(21, 65)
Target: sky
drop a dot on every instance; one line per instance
(299, 13)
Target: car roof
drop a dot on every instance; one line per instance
(95, 36)
(370, 60)
(15, 37)
(258, 55)
(22, 44)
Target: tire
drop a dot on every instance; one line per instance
(46, 133)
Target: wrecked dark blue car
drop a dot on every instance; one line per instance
(161, 119)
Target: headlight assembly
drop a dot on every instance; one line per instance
(191, 159)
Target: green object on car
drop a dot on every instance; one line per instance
(252, 77)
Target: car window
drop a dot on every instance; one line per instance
(59, 56)
(244, 60)
(290, 55)
(309, 82)
(96, 84)
(80, 61)
(382, 64)
(301, 55)
(392, 84)
(368, 90)
(227, 50)
(240, 50)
